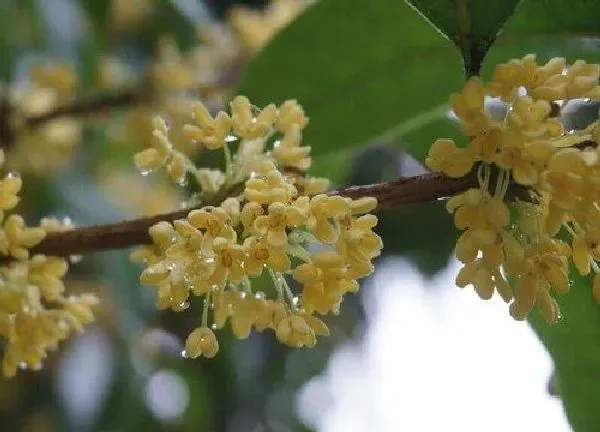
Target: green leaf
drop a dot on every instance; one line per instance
(471, 25)
(574, 346)
(359, 68)
(549, 28)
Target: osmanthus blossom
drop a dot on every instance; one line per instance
(531, 148)
(36, 311)
(220, 251)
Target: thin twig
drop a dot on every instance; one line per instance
(101, 102)
(91, 105)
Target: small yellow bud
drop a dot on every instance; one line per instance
(201, 342)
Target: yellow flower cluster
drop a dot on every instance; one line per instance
(35, 312)
(254, 29)
(49, 86)
(528, 147)
(251, 256)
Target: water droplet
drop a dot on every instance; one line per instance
(184, 354)
(295, 301)
(74, 259)
(242, 295)
(260, 295)
(214, 326)
(230, 138)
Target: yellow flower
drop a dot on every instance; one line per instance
(290, 114)
(208, 131)
(271, 186)
(565, 178)
(273, 225)
(468, 107)
(201, 343)
(358, 244)
(584, 251)
(484, 279)
(170, 71)
(245, 125)
(34, 314)
(232, 207)
(217, 223)
(249, 213)
(288, 151)
(475, 208)
(9, 188)
(47, 273)
(244, 315)
(18, 238)
(229, 262)
(324, 282)
(294, 331)
(530, 118)
(216, 252)
(223, 303)
(78, 310)
(158, 154)
(445, 157)
(259, 254)
(582, 81)
(541, 82)
(323, 208)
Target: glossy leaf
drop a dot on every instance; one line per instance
(359, 68)
(549, 28)
(471, 25)
(574, 346)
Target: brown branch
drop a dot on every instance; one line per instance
(91, 105)
(121, 235)
(101, 102)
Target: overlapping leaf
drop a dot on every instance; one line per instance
(471, 25)
(359, 68)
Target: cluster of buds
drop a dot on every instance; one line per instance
(528, 147)
(273, 256)
(49, 86)
(206, 69)
(35, 312)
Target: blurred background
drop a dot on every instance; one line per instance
(410, 352)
